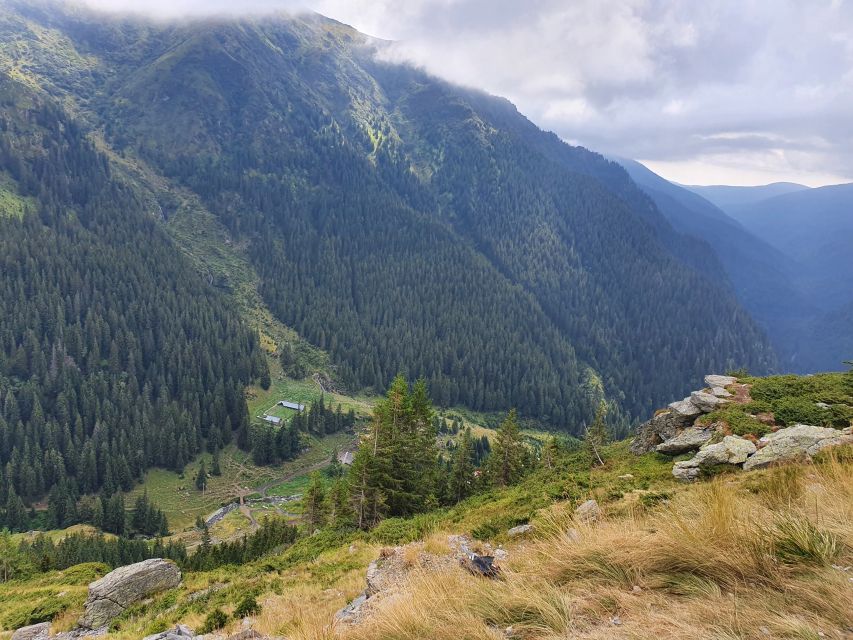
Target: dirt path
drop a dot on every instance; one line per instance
(248, 513)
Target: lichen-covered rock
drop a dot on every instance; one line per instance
(588, 511)
(707, 402)
(690, 439)
(799, 442)
(719, 392)
(732, 450)
(112, 594)
(40, 631)
(719, 381)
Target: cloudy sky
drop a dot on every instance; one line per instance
(711, 92)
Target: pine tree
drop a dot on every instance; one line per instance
(462, 469)
(314, 504)
(550, 452)
(339, 507)
(214, 465)
(506, 460)
(597, 436)
(201, 477)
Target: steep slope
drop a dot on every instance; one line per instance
(764, 278)
(114, 355)
(399, 222)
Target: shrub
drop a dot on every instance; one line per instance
(248, 606)
(798, 540)
(216, 619)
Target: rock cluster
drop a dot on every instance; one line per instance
(112, 594)
(676, 430)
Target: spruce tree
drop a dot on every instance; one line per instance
(462, 469)
(506, 460)
(201, 477)
(214, 465)
(314, 504)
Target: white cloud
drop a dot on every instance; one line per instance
(684, 85)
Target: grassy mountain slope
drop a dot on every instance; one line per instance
(400, 223)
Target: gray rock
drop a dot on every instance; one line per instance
(799, 442)
(719, 381)
(519, 530)
(688, 440)
(180, 632)
(707, 402)
(77, 634)
(350, 612)
(719, 392)
(685, 408)
(588, 511)
(39, 631)
(112, 594)
(665, 425)
(732, 450)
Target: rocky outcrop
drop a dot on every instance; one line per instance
(799, 442)
(520, 530)
(112, 594)
(708, 402)
(688, 440)
(732, 450)
(719, 381)
(40, 631)
(665, 425)
(179, 632)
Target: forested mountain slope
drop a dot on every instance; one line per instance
(396, 221)
(114, 355)
(813, 229)
(764, 278)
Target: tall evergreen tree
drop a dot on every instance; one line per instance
(506, 460)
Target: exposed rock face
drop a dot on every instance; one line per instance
(662, 427)
(688, 440)
(719, 381)
(588, 511)
(707, 402)
(799, 442)
(732, 450)
(112, 594)
(40, 631)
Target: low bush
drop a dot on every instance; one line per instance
(216, 619)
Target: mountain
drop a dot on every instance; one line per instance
(396, 221)
(731, 199)
(763, 277)
(786, 249)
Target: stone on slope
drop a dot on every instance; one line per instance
(719, 392)
(719, 381)
(799, 442)
(707, 402)
(688, 440)
(685, 409)
(732, 450)
(40, 631)
(520, 530)
(112, 594)
(588, 511)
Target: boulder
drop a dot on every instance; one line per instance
(719, 392)
(719, 381)
(520, 530)
(688, 440)
(665, 425)
(179, 632)
(112, 594)
(799, 442)
(588, 511)
(40, 631)
(707, 402)
(732, 450)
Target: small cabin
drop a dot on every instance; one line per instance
(272, 420)
(291, 405)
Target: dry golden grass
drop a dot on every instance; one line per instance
(758, 555)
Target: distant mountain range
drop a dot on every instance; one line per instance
(788, 251)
